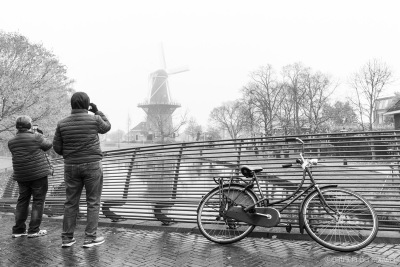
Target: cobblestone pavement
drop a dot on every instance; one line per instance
(139, 247)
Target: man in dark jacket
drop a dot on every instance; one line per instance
(30, 171)
(76, 139)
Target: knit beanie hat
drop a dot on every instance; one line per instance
(23, 122)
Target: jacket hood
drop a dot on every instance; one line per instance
(80, 100)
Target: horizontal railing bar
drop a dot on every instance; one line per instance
(154, 182)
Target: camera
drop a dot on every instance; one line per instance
(35, 128)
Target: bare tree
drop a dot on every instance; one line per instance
(263, 97)
(32, 82)
(286, 111)
(230, 116)
(293, 75)
(369, 83)
(340, 114)
(166, 125)
(251, 116)
(128, 122)
(317, 90)
(213, 133)
(193, 129)
(116, 136)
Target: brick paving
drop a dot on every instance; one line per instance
(152, 247)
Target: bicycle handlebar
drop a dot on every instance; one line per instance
(298, 140)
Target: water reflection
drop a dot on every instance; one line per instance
(92, 256)
(69, 256)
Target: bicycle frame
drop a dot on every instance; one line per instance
(293, 195)
(297, 193)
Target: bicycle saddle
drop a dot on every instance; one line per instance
(248, 171)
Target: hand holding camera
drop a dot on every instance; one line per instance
(35, 129)
(93, 108)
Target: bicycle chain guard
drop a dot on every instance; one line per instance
(265, 217)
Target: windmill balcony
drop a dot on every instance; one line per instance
(148, 103)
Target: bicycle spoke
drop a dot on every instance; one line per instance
(211, 218)
(352, 226)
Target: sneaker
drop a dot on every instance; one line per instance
(40, 233)
(68, 242)
(19, 235)
(93, 242)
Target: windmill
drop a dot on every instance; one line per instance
(159, 105)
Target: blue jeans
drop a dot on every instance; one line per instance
(37, 189)
(77, 176)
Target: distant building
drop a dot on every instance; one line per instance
(382, 105)
(394, 111)
(139, 133)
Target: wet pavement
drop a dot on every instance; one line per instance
(154, 245)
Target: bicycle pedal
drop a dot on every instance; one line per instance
(289, 228)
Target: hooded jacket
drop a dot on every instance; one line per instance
(29, 162)
(76, 137)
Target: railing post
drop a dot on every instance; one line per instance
(108, 204)
(129, 174)
(239, 157)
(176, 177)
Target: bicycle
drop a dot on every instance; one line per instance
(336, 218)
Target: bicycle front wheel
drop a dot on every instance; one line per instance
(212, 222)
(352, 223)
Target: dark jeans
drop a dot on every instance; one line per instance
(37, 189)
(77, 176)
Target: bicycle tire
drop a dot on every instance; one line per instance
(354, 227)
(210, 218)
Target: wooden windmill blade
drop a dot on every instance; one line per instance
(163, 63)
(178, 70)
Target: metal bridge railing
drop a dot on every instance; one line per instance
(166, 182)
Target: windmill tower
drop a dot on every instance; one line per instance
(159, 105)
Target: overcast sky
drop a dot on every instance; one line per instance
(110, 47)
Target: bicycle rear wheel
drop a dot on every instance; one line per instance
(352, 225)
(212, 222)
